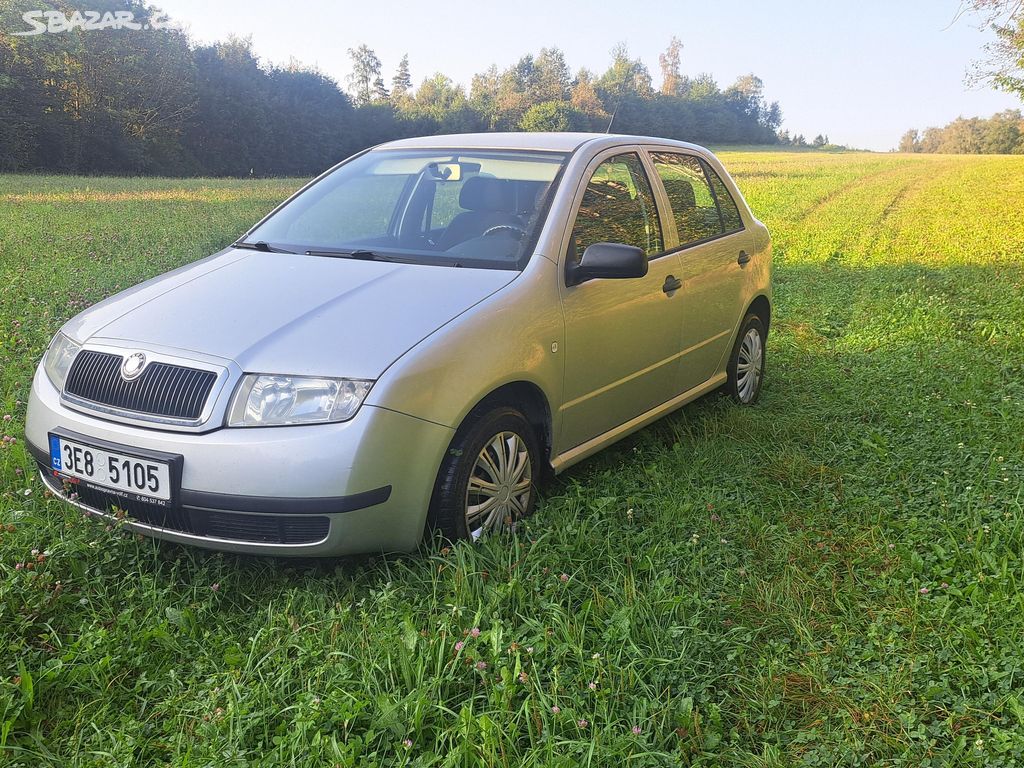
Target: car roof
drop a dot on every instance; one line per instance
(549, 141)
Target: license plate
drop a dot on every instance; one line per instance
(125, 475)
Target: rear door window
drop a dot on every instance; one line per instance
(689, 194)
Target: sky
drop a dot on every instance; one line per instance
(861, 73)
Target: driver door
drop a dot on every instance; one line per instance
(622, 336)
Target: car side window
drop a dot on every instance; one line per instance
(618, 207)
(689, 195)
(731, 220)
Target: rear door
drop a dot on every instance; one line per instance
(712, 246)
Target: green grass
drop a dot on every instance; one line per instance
(830, 578)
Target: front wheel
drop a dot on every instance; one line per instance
(746, 364)
(488, 479)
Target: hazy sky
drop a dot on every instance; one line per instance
(860, 72)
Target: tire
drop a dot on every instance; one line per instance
(746, 363)
(483, 447)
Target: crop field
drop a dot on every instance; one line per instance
(832, 577)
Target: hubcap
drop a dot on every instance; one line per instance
(499, 485)
(749, 365)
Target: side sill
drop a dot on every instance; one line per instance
(575, 455)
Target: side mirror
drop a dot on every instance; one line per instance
(608, 260)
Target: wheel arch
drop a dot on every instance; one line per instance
(761, 307)
(524, 396)
(533, 402)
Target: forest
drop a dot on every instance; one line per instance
(151, 101)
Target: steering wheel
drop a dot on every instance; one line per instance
(500, 227)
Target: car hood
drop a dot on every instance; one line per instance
(291, 313)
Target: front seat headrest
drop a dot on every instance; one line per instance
(484, 193)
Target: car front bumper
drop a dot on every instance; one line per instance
(314, 490)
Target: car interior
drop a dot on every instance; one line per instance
(474, 211)
(490, 220)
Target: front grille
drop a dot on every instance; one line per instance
(170, 391)
(263, 528)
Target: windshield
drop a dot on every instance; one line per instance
(473, 208)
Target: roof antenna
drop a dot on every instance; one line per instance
(612, 118)
(618, 103)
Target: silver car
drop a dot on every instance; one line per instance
(411, 342)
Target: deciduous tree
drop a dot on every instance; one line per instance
(366, 75)
(1003, 66)
(910, 141)
(672, 80)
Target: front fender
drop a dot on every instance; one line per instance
(514, 335)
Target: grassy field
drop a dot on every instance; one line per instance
(830, 578)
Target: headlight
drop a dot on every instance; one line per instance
(57, 360)
(263, 400)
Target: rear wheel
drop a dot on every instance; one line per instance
(746, 364)
(488, 479)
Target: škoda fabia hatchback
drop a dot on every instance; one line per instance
(414, 339)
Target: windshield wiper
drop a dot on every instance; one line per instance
(359, 254)
(261, 245)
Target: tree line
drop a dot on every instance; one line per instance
(150, 101)
(1003, 133)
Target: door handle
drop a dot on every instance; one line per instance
(744, 257)
(672, 283)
